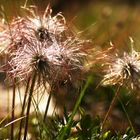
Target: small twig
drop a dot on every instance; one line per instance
(16, 120)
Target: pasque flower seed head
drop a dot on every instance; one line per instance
(123, 70)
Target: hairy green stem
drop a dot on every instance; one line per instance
(68, 125)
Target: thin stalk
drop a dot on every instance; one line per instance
(23, 108)
(111, 107)
(25, 4)
(47, 106)
(29, 104)
(13, 112)
(8, 102)
(8, 109)
(127, 116)
(68, 125)
(40, 118)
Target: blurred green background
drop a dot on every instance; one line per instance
(101, 21)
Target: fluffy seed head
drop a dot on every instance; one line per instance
(123, 70)
(61, 61)
(55, 24)
(31, 27)
(42, 44)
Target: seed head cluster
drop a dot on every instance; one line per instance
(35, 43)
(32, 27)
(123, 70)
